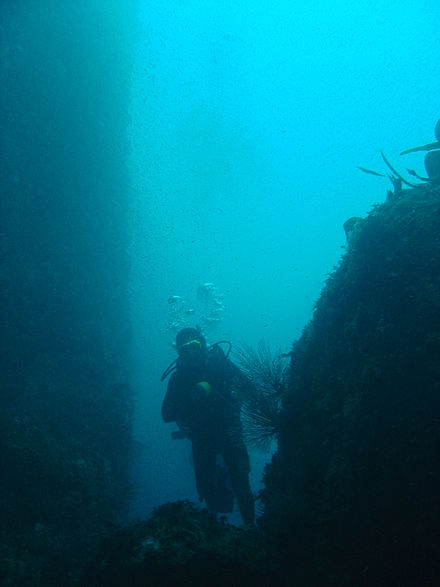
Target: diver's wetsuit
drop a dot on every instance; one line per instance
(212, 423)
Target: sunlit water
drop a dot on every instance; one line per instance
(249, 120)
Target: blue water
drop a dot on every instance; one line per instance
(249, 120)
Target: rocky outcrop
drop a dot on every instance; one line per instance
(180, 545)
(352, 492)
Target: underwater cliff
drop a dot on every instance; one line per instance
(352, 493)
(65, 430)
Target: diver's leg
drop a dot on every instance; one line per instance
(236, 458)
(205, 472)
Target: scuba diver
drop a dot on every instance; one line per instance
(202, 398)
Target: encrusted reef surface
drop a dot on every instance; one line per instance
(352, 494)
(180, 545)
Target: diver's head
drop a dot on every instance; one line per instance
(191, 345)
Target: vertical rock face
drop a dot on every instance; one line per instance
(352, 493)
(64, 98)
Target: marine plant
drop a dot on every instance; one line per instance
(432, 166)
(267, 373)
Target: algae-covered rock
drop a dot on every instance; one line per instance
(180, 545)
(352, 493)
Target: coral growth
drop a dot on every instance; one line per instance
(352, 493)
(267, 373)
(180, 545)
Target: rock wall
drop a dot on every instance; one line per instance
(66, 406)
(352, 492)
